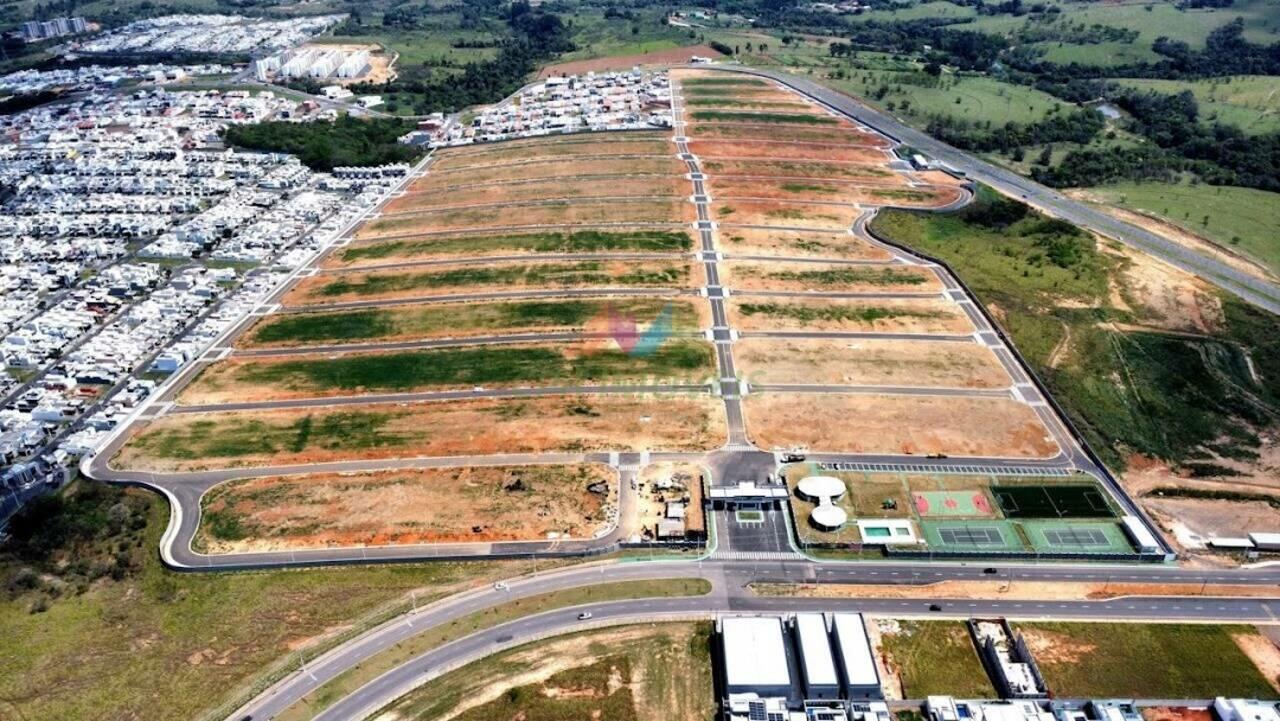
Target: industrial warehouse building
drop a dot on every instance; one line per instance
(811, 666)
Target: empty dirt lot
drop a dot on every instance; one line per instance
(569, 147)
(898, 424)
(748, 131)
(869, 362)
(199, 441)
(432, 505)
(785, 150)
(582, 212)
(784, 214)
(567, 188)
(801, 170)
(884, 316)
(549, 168)
(815, 190)
(529, 274)
(738, 242)
(843, 278)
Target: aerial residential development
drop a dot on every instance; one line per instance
(670, 385)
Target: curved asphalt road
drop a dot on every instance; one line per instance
(1254, 290)
(729, 594)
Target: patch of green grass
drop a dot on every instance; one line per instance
(646, 273)
(410, 370)
(432, 319)
(937, 657)
(1243, 220)
(728, 102)
(584, 241)
(669, 664)
(805, 313)
(851, 276)
(240, 437)
(95, 653)
(1133, 660)
(371, 668)
(771, 118)
(809, 188)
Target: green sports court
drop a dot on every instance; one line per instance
(988, 536)
(1076, 537)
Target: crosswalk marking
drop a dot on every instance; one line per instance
(754, 555)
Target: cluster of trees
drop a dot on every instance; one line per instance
(535, 36)
(1179, 142)
(965, 49)
(323, 146)
(1080, 126)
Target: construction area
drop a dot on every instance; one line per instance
(666, 304)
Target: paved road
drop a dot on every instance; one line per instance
(1258, 292)
(729, 594)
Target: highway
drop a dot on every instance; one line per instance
(1252, 289)
(729, 594)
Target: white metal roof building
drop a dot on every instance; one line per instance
(1240, 709)
(816, 662)
(1140, 535)
(755, 656)
(857, 662)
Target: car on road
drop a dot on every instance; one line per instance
(935, 607)
(990, 571)
(500, 586)
(584, 615)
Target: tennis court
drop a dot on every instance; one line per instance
(953, 503)
(972, 535)
(1059, 537)
(1066, 501)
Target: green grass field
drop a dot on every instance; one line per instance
(437, 319)
(97, 654)
(676, 359)
(1249, 102)
(1129, 660)
(583, 241)
(936, 657)
(585, 273)
(1243, 220)
(1104, 54)
(1167, 395)
(597, 36)
(1152, 20)
(915, 96)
